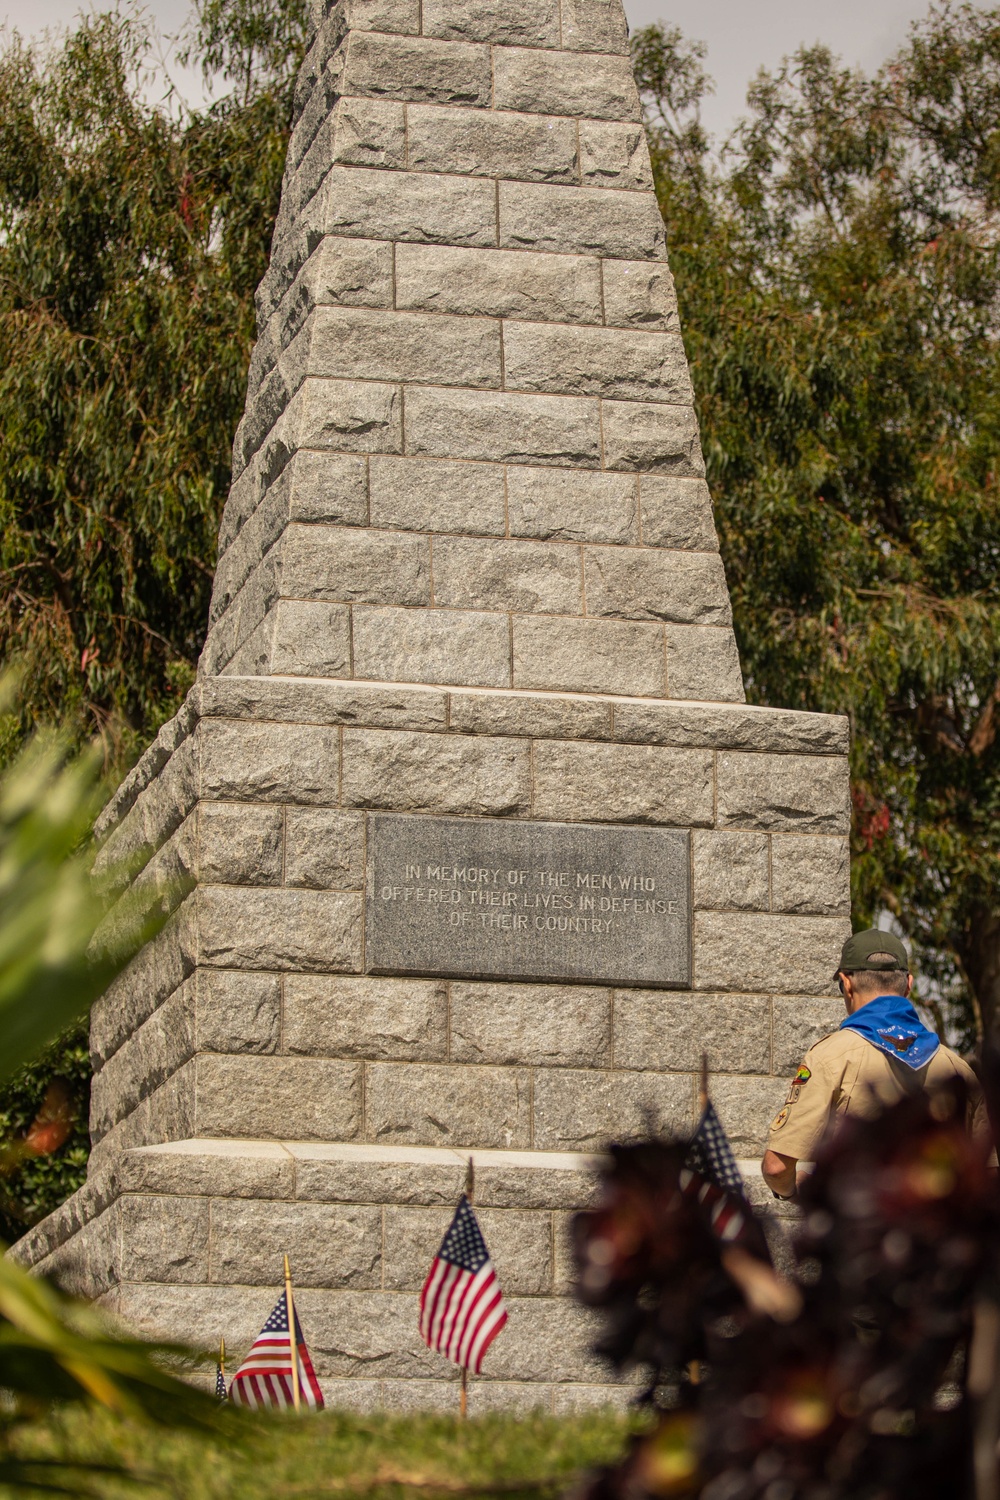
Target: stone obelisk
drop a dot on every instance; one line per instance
(473, 842)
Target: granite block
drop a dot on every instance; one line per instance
(538, 1025)
(439, 1105)
(501, 283)
(485, 143)
(364, 133)
(240, 843)
(416, 68)
(731, 871)
(361, 343)
(528, 715)
(639, 294)
(703, 663)
(586, 1110)
(327, 1246)
(811, 874)
(786, 793)
(513, 23)
(504, 428)
(651, 436)
(242, 928)
(533, 577)
(238, 1010)
(433, 495)
(649, 584)
(572, 505)
(164, 1239)
(278, 1098)
(344, 563)
(657, 1030)
(466, 648)
(580, 221)
(752, 951)
(623, 363)
(270, 762)
(436, 773)
(324, 849)
(349, 416)
(677, 512)
(594, 25)
(378, 1019)
(383, 15)
(588, 656)
(565, 83)
(614, 155)
(426, 207)
(623, 784)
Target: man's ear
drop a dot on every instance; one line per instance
(909, 985)
(845, 989)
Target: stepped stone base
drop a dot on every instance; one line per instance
(182, 1240)
(251, 1020)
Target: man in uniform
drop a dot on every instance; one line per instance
(882, 1053)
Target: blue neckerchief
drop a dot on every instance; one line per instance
(892, 1025)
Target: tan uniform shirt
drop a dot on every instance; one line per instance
(845, 1075)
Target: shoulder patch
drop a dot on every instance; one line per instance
(780, 1118)
(803, 1075)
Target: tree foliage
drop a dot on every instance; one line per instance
(132, 237)
(45, 1128)
(838, 271)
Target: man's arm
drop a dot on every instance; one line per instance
(779, 1173)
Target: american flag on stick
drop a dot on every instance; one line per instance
(267, 1379)
(711, 1175)
(461, 1305)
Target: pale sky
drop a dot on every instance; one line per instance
(741, 36)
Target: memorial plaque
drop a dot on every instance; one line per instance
(476, 898)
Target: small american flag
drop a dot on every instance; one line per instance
(711, 1175)
(220, 1384)
(461, 1305)
(264, 1379)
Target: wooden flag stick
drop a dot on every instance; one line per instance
(470, 1193)
(222, 1357)
(293, 1346)
(703, 1084)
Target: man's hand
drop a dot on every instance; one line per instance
(779, 1173)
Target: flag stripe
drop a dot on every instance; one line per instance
(477, 1306)
(444, 1305)
(473, 1291)
(487, 1326)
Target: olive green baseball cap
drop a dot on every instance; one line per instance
(873, 949)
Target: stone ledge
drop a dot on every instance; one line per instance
(198, 1169)
(523, 713)
(630, 720)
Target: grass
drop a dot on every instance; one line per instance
(379, 1457)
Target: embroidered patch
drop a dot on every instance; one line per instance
(780, 1118)
(803, 1075)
